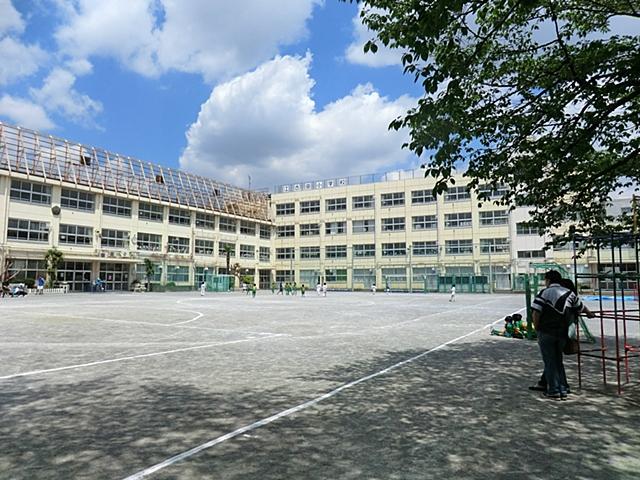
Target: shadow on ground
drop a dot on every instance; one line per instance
(463, 412)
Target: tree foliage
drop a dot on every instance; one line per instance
(53, 259)
(538, 96)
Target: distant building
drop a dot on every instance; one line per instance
(107, 213)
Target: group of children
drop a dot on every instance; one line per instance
(292, 288)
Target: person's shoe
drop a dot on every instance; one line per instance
(552, 396)
(538, 388)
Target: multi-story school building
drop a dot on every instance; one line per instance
(106, 213)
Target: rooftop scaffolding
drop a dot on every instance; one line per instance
(30, 153)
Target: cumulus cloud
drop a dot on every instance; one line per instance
(18, 60)
(10, 18)
(354, 53)
(122, 29)
(58, 94)
(194, 36)
(25, 112)
(265, 124)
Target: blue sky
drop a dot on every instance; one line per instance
(276, 89)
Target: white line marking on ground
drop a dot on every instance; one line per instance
(132, 357)
(200, 315)
(303, 406)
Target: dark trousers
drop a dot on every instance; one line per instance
(551, 347)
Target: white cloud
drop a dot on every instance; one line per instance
(25, 112)
(10, 18)
(216, 39)
(58, 95)
(354, 53)
(122, 29)
(264, 124)
(18, 60)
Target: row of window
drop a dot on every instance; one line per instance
(430, 248)
(394, 199)
(121, 207)
(395, 224)
(79, 235)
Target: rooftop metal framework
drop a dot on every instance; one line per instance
(54, 159)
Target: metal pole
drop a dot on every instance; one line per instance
(410, 270)
(490, 271)
(352, 267)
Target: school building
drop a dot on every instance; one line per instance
(107, 213)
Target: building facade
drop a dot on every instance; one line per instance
(107, 213)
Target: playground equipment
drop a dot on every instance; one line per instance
(616, 276)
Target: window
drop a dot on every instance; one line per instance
(523, 229)
(394, 275)
(247, 228)
(309, 229)
(285, 209)
(116, 206)
(75, 235)
(456, 220)
(30, 192)
(531, 254)
(362, 202)
(308, 253)
(285, 275)
(29, 230)
(395, 199)
(141, 272)
(287, 253)
(335, 251)
(335, 228)
(177, 216)
(114, 238)
(420, 197)
(177, 273)
(148, 242)
(248, 251)
(265, 232)
(335, 204)
(455, 194)
(424, 249)
(363, 226)
(310, 206)
(285, 231)
(265, 254)
(150, 211)
(227, 224)
(22, 268)
(499, 192)
(494, 245)
(394, 249)
(364, 250)
(178, 245)
(495, 217)
(203, 247)
(458, 247)
(224, 246)
(77, 200)
(335, 275)
(205, 220)
(393, 224)
(425, 222)
(77, 275)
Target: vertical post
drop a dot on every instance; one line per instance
(527, 296)
(410, 246)
(352, 289)
(490, 271)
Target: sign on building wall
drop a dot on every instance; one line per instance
(317, 185)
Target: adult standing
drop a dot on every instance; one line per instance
(452, 298)
(549, 310)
